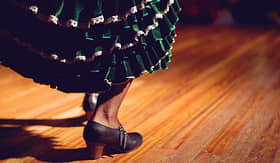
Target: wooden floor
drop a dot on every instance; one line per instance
(218, 102)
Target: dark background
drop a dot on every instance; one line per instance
(249, 12)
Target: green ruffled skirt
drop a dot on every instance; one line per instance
(86, 45)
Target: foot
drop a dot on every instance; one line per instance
(114, 140)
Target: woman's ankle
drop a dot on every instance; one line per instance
(112, 123)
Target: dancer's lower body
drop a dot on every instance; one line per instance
(104, 128)
(83, 43)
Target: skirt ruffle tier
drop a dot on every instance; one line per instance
(86, 45)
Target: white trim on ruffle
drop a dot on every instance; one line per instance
(139, 33)
(159, 16)
(147, 30)
(98, 53)
(150, 27)
(72, 23)
(63, 61)
(115, 18)
(80, 58)
(34, 9)
(118, 45)
(54, 56)
(133, 10)
(119, 18)
(97, 20)
(53, 19)
(130, 77)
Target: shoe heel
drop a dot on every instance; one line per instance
(95, 149)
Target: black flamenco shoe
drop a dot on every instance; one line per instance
(100, 138)
(89, 104)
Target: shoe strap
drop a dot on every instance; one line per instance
(123, 137)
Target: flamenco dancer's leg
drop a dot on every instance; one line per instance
(108, 105)
(104, 131)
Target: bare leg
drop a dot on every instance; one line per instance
(106, 136)
(108, 105)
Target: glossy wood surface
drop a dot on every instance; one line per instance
(218, 102)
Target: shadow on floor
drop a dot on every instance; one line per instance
(16, 142)
(69, 122)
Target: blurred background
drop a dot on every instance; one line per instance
(248, 12)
